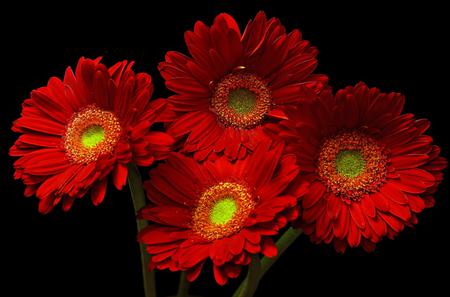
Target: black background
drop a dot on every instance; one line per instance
(91, 251)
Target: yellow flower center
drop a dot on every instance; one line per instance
(93, 136)
(241, 100)
(222, 210)
(352, 164)
(92, 132)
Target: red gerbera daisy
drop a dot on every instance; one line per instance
(371, 169)
(235, 83)
(218, 210)
(77, 131)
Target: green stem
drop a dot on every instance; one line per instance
(282, 244)
(138, 197)
(250, 284)
(183, 288)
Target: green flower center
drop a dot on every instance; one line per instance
(242, 101)
(223, 211)
(350, 163)
(92, 136)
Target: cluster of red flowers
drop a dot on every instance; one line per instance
(253, 141)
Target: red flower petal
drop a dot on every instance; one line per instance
(219, 275)
(354, 235)
(48, 162)
(333, 206)
(357, 215)
(416, 203)
(120, 174)
(341, 225)
(193, 273)
(368, 206)
(269, 249)
(232, 271)
(408, 161)
(391, 192)
(314, 194)
(251, 248)
(193, 255)
(236, 244)
(323, 225)
(98, 192)
(380, 201)
(392, 222)
(168, 215)
(400, 211)
(253, 237)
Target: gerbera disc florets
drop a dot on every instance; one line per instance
(90, 133)
(352, 164)
(222, 210)
(241, 100)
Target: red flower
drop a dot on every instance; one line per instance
(236, 83)
(218, 210)
(77, 131)
(371, 169)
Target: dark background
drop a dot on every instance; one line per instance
(91, 251)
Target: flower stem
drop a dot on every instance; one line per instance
(246, 290)
(250, 283)
(282, 244)
(138, 197)
(183, 288)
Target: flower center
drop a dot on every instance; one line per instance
(222, 210)
(93, 136)
(241, 100)
(92, 132)
(352, 164)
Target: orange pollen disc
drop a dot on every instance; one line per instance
(91, 132)
(222, 210)
(352, 164)
(241, 100)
